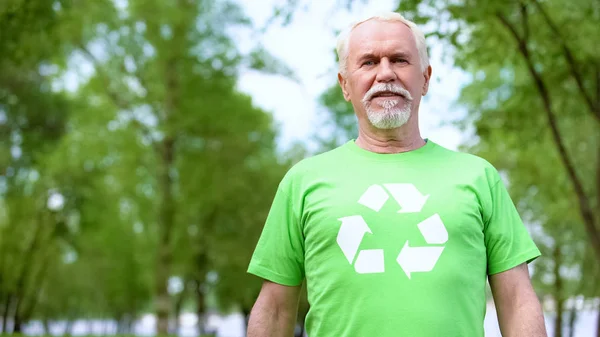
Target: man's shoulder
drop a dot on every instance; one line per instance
(464, 156)
(318, 161)
(314, 165)
(463, 161)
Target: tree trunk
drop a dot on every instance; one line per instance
(178, 307)
(124, 324)
(120, 324)
(167, 206)
(572, 320)
(198, 276)
(24, 315)
(167, 212)
(33, 299)
(69, 327)
(246, 313)
(2, 309)
(6, 313)
(28, 265)
(166, 168)
(200, 307)
(46, 327)
(18, 319)
(131, 326)
(558, 292)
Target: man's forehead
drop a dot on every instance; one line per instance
(374, 34)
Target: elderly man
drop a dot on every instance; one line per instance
(394, 234)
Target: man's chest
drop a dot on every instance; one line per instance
(393, 226)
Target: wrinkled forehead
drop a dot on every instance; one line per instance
(375, 36)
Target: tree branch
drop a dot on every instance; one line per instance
(117, 100)
(587, 214)
(594, 108)
(120, 103)
(525, 21)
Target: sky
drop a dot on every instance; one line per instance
(307, 46)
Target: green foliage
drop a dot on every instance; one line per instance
(151, 166)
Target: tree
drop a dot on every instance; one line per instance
(32, 121)
(152, 143)
(169, 71)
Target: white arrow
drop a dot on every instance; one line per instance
(350, 235)
(418, 259)
(374, 197)
(433, 230)
(370, 261)
(407, 196)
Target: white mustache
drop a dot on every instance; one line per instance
(383, 87)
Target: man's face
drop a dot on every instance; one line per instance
(384, 80)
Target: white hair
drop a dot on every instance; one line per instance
(344, 39)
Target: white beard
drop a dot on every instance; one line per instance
(392, 116)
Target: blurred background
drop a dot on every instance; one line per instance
(141, 143)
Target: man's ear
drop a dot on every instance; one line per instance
(343, 84)
(427, 75)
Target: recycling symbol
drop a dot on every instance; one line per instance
(412, 259)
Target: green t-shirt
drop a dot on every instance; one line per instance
(392, 244)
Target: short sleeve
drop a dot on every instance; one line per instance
(508, 243)
(279, 253)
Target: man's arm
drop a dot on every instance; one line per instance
(274, 313)
(519, 311)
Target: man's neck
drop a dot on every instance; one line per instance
(403, 139)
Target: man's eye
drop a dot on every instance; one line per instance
(400, 61)
(368, 63)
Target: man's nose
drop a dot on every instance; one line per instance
(385, 73)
